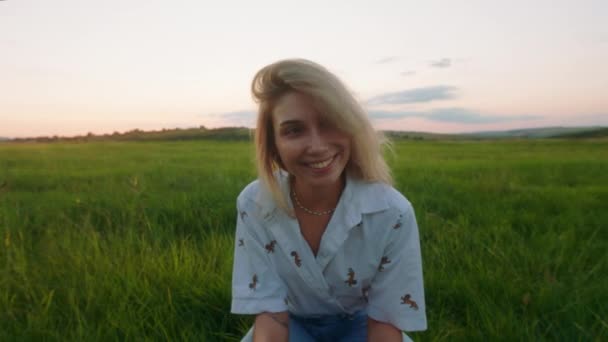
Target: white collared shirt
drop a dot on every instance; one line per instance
(368, 258)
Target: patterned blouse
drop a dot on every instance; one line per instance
(368, 258)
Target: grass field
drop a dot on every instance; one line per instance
(133, 241)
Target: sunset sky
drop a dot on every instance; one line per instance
(69, 67)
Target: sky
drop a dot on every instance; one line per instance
(69, 67)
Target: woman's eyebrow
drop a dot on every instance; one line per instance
(290, 122)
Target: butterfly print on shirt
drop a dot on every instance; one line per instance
(351, 281)
(398, 224)
(243, 215)
(270, 246)
(365, 292)
(296, 258)
(383, 261)
(406, 300)
(254, 282)
(241, 242)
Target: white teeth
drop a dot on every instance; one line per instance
(322, 164)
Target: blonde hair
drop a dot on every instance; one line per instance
(334, 100)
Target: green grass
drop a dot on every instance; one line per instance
(133, 241)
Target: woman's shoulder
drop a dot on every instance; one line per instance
(250, 192)
(256, 198)
(254, 193)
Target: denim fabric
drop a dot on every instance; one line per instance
(329, 328)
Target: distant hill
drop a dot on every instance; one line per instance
(526, 133)
(596, 133)
(177, 134)
(421, 135)
(543, 132)
(244, 134)
(224, 133)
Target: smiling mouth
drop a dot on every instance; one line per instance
(321, 164)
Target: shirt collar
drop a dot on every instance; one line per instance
(359, 197)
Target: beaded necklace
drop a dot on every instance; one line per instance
(310, 211)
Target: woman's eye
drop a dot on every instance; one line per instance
(292, 130)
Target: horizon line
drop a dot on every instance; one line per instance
(6, 138)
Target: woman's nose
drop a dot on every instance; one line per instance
(317, 141)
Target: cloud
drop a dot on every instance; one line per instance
(408, 73)
(237, 118)
(238, 115)
(416, 95)
(383, 114)
(449, 114)
(461, 115)
(386, 60)
(452, 115)
(441, 63)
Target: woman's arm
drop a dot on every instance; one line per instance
(271, 327)
(382, 332)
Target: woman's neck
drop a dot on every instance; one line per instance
(319, 198)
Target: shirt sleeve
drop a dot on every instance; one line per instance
(396, 295)
(256, 286)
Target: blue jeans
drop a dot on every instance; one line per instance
(329, 328)
(334, 328)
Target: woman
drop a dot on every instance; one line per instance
(325, 248)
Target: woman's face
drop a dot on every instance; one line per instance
(311, 149)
